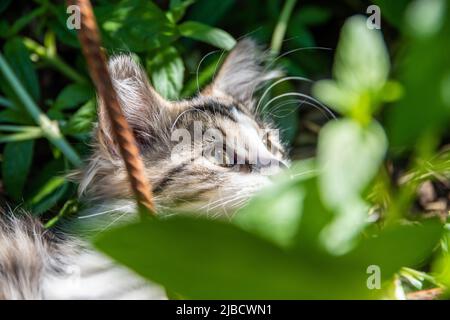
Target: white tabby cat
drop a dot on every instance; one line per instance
(36, 263)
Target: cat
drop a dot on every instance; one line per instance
(39, 263)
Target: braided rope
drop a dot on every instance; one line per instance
(90, 42)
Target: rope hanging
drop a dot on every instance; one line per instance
(89, 38)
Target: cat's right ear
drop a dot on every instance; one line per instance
(242, 73)
(144, 109)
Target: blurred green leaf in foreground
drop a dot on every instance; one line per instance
(204, 259)
(308, 236)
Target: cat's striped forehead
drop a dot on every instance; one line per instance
(213, 111)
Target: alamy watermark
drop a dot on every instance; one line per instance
(74, 19)
(374, 20)
(374, 280)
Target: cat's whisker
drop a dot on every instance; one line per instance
(263, 109)
(218, 64)
(277, 107)
(272, 112)
(303, 173)
(272, 62)
(113, 222)
(301, 95)
(276, 83)
(198, 67)
(222, 199)
(213, 202)
(105, 212)
(302, 103)
(239, 205)
(229, 200)
(293, 51)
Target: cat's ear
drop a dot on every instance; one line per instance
(141, 104)
(242, 73)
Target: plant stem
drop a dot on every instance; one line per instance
(13, 128)
(69, 207)
(21, 136)
(420, 274)
(49, 128)
(280, 28)
(54, 60)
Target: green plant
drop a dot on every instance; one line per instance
(322, 225)
(309, 235)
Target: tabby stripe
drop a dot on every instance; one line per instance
(216, 109)
(160, 185)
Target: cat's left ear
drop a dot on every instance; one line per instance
(242, 73)
(145, 110)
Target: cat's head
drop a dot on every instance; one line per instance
(206, 154)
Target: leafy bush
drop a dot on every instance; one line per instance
(323, 228)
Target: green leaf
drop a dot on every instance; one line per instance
(301, 36)
(329, 92)
(167, 70)
(205, 74)
(425, 18)
(315, 217)
(17, 158)
(362, 61)
(341, 234)
(48, 194)
(73, 95)
(18, 58)
(135, 25)
(210, 12)
(175, 3)
(275, 213)
(361, 69)
(393, 11)
(178, 9)
(425, 107)
(349, 156)
(402, 245)
(205, 33)
(46, 172)
(312, 15)
(441, 264)
(82, 121)
(4, 29)
(220, 261)
(15, 116)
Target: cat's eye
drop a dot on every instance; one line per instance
(227, 159)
